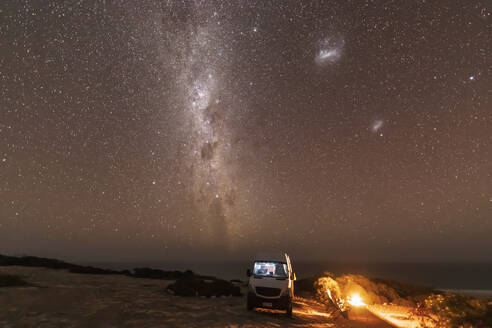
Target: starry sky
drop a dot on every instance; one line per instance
(161, 130)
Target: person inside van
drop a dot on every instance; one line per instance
(279, 270)
(262, 270)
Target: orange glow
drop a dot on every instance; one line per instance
(355, 300)
(402, 316)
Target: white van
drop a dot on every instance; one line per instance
(271, 282)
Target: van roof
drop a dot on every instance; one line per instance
(271, 256)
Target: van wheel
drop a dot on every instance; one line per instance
(289, 309)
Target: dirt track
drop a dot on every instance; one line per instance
(64, 299)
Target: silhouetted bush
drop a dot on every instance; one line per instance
(93, 270)
(161, 274)
(193, 286)
(405, 290)
(33, 261)
(149, 273)
(305, 286)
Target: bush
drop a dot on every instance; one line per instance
(93, 270)
(194, 286)
(305, 286)
(33, 261)
(457, 310)
(405, 290)
(150, 273)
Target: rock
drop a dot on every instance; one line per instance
(161, 274)
(92, 270)
(200, 287)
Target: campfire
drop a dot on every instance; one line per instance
(348, 292)
(355, 300)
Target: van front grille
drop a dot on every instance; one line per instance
(267, 291)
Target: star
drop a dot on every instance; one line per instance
(209, 124)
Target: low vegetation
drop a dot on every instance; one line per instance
(457, 311)
(305, 287)
(150, 273)
(187, 283)
(33, 261)
(429, 307)
(193, 286)
(406, 290)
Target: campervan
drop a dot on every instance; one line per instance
(271, 282)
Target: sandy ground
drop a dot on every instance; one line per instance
(62, 299)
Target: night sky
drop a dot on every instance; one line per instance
(168, 130)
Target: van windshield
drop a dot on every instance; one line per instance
(271, 269)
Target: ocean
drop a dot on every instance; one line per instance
(474, 278)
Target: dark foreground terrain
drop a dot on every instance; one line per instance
(58, 298)
(38, 292)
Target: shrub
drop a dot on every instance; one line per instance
(457, 310)
(194, 286)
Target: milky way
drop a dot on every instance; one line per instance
(203, 89)
(202, 93)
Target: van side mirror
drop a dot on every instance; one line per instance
(294, 276)
(248, 272)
